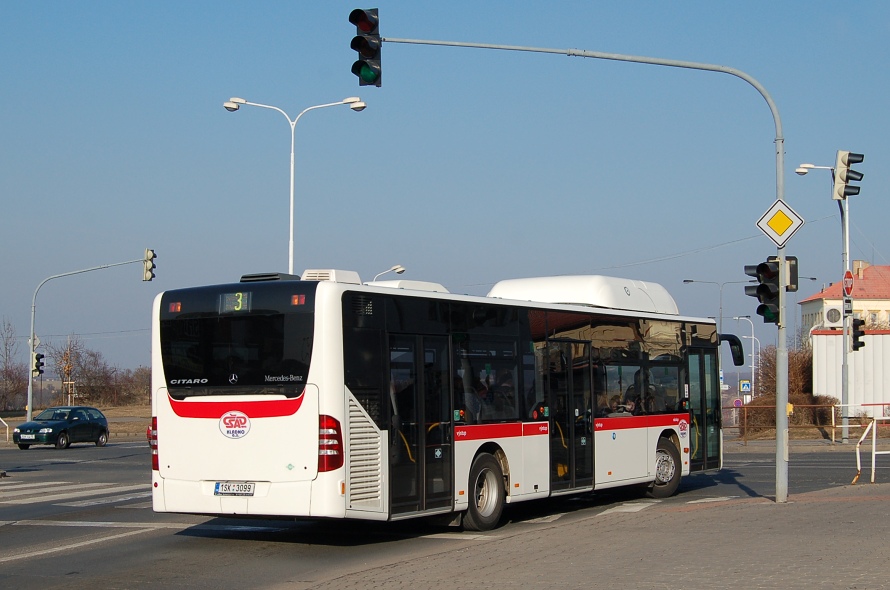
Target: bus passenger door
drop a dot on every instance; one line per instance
(571, 435)
(420, 429)
(705, 410)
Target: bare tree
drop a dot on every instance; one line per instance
(13, 373)
(94, 380)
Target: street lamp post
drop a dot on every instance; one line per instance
(234, 103)
(753, 339)
(844, 207)
(720, 285)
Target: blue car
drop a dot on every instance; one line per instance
(63, 426)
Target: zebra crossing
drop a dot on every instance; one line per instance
(15, 492)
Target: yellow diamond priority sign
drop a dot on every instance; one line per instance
(780, 222)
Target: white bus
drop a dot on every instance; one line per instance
(322, 397)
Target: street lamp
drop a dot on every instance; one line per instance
(234, 103)
(398, 269)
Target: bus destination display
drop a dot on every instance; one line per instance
(234, 302)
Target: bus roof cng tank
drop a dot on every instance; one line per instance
(591, 290)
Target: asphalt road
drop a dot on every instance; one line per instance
(82, 518)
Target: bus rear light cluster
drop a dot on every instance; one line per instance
(330, 444)
(153, 443)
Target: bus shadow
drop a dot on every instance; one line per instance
(331, 533)
(724, 477)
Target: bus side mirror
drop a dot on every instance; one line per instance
(735, 347)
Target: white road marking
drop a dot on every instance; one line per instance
(546, 519)
(109, 500)
(630, 507)
(42, 493)
(71, 546)
(80, 494)
(21, 485)
(108, 524)
(706, 500)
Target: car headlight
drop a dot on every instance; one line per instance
(16, 430)
(46, 430)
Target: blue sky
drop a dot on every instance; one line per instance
(468, 166)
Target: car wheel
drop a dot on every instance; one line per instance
(103, 438)
(63, 442)
(24, 447)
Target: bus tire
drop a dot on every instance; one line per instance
(667, 470)
(488, 495)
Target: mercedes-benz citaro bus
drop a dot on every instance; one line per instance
(324, 397)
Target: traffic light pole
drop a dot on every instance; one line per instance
(32, 344)
(845, 368)
(782, 386)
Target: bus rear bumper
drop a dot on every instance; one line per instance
(198, 497)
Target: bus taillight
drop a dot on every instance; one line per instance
(330, 444)
(153, 443)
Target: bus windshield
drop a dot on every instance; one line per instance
(210, 348)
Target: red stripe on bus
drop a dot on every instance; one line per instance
(624, 422)
(256, 409)
(487, 431)
(535, 428)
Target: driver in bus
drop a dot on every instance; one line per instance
(636, 393)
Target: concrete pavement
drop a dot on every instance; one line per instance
(833, 538)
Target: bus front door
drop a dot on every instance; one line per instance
(421, 454)
(571, 433)
(705, 409)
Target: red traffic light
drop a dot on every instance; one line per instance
(365, 20)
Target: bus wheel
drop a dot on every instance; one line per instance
(488, 495)
(667, 470)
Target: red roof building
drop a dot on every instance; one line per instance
(871, 300)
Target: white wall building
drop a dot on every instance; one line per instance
(869, 367)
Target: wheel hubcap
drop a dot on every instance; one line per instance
(664, 467)
(485, 493)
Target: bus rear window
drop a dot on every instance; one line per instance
(265, 353)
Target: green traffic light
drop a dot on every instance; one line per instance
(769, 313)
(367, 74)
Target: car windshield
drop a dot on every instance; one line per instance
(53, 414)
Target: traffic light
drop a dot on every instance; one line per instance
(37, 367)
(767, 292)
(791, 281)
(148, 263)
(843, 175)
(367, 43)
(858, 332)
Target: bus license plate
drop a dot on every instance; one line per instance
(233, 488)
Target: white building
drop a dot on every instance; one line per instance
(869, 367)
